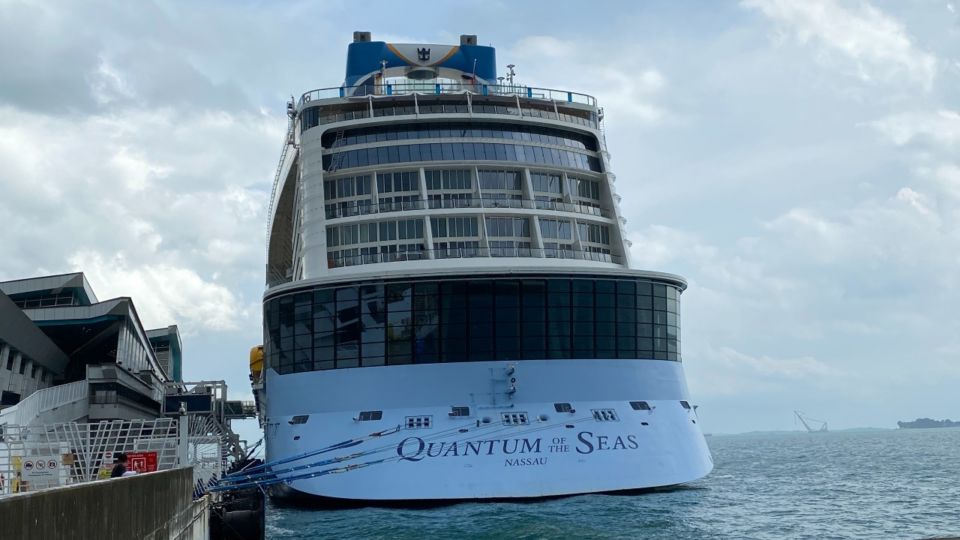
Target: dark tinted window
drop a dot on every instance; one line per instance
(456, 321)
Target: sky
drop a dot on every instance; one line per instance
(797, 162)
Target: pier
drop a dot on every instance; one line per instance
(83, 386)
(151, 506)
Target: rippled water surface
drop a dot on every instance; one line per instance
(876, 484)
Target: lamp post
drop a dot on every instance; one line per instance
(183, 434)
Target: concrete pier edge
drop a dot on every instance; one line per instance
(151, 506)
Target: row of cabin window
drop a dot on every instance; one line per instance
(401, 132)
(386, 155)
(448, 179)
(362, 233)
(370, 254)
(455, 227)
(455, 179)
(500, 180)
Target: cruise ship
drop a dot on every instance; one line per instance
(450, 311)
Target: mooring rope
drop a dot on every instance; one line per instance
(272, 478)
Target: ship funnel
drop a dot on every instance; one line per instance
(361, 37)
(468, 39)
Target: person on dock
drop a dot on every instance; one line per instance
(119, 465)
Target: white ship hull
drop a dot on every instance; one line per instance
(478, 456)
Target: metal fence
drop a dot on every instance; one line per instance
(43, 456)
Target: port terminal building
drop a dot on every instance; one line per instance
(67, 356)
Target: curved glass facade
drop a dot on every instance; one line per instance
(461, 320)
(450, 130)
(405, 153)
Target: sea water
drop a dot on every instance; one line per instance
(852, 484)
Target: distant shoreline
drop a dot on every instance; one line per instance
(926, 423)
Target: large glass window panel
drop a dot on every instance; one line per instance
(303, 341)
(533, 327)
(481, 349)
(286, 362)
(490, 151)
(373, 354)
(303, 360)
(323, 358)
(347, 361)
(506, 318)
(522, 153)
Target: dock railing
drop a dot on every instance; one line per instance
(35, 457)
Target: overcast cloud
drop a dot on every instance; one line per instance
(797, 162)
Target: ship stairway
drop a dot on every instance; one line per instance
(288, 141)
(336, 159)
(603, 134)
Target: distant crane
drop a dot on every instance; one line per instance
(807, 420)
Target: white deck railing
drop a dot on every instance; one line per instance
(439, 88)
(44, 400)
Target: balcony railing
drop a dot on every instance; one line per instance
(528, 92)
(468, 253)
(360, 208)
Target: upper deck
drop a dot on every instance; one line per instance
(413, 161)
(403, 87)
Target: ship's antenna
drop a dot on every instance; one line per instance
(511, 73)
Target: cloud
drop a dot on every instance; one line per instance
(877, 45)
(597, 67)
(942, 128)
(731, 372)
(163, 294)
